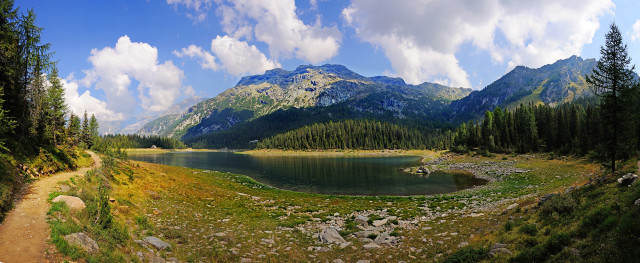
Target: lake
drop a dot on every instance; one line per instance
(341, 175)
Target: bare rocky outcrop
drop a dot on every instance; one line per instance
(83, 241)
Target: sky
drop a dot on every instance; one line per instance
(127, 61)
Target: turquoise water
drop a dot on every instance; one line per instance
(343, 175)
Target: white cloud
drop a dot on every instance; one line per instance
(238, 58)
(276, 23)
(635, 35)
(114, 69)
(421, 38)
(206, 60)
(78, 104)
(199, 7)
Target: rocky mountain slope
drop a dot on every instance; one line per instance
(552, 84)
(307, 86)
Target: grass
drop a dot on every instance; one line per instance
(218, 216)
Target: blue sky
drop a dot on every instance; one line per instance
(127, 61)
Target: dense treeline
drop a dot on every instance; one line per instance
(349, 134)
(609, 127)
(570, 128)
(137, 141)
(281, 121)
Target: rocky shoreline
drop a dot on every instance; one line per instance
(488, 170)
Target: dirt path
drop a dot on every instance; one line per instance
(24, 232)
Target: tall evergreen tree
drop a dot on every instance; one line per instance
(56, 107)
(612, 80)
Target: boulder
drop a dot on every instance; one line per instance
(637, 203)
(381, 222)
(385, 239)
(74, 203)
(627, 179)
(361, 219)
(64, 188)
(157, 243)
(545, 198)
(371, 245)
(499, 249)
(331, 235)
(83, 241)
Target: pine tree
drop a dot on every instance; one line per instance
(56, 107)
(612, 80)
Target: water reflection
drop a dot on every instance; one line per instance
(323, 174)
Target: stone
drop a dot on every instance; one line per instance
(575, 252)
(337, 260)
(385, 239)
(379, 223)
(512, 206)
(74, 203)
(637, 203)
(499, 249)
(363, 261)
(463, 244)
(64, 188)
(545, 198)
(246, 260)
(331, 235)
(627, 179)
(83, 241)
(140, 256)
(343, 245)
(361, 219)
(366, 233)
(371, 245)
(153, 258)
(157, 243)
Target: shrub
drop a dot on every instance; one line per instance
(529, 229)
(468, 254)
(561, 204)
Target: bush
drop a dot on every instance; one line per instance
(561, 204)
(460, 149)
(529, 229)
(468, 254)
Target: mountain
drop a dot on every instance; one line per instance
(327, 90)
(551, 84)
(172, 112)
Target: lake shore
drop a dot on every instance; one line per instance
(232, 217)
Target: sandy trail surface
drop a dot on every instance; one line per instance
(24, 232)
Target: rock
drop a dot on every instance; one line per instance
(512, 206)
(371, 245)
(74, 203)
(385, 239)
(246, 260)
(627, 179)
(365, 233)
(343, 245)
(83, 241)
(575, 252)
(361, 219)
(637, 203)
(331, 235)
(64, 188)
(381, 222)
(338, 261)
(545, 198)
(363, 261)
(499, 249)
(140, 256)
(153, 258)
(157, 243)
(463, 244)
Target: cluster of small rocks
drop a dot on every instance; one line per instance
(492, 171)
(627, 180)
